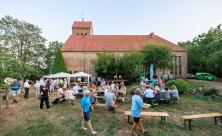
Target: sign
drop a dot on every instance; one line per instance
(151, 71)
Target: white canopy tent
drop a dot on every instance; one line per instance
(81, 74)
(60, 75)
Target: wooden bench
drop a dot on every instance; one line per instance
(162, 115)
(198, 116)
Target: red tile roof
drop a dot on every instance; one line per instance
(115, 43)
(82, 24)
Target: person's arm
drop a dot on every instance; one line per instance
(41, 93)
(91, 107)
(81, 107)
(81, 111)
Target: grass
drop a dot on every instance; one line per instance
(26, 119)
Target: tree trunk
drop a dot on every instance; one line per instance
(1, 101)
(7, 103)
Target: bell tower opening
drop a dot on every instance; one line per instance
(82, 28)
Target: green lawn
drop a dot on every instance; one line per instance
(25, 119)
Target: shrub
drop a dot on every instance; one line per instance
(181, 85)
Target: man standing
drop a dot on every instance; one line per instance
(26, 86)
(15, 90)
(85, 108)
(137, 106)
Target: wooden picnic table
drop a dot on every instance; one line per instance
(198, 116)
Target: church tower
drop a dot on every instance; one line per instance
(82, 28)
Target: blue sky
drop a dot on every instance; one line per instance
(175, 20)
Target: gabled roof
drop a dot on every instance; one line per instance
(82, 24)
(114, 43)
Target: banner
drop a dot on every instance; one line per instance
(151, 71)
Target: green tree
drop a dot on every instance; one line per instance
(59, 64)
(201, 48)
(53, 49)
(105, 64)
(133, 63)
(215, 62)
(159, 55)
(25, 44)
(9, 66)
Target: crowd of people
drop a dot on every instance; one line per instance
(19, 86)
(148, 91)
(156, 91)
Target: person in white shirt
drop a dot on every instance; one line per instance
(122, 90)
(110, 98)
(112, 85)
(52, 86)
(37, 88)
(149, 94)
(60, 95)
(69, 96)
(65, 83)
(26, 86)
(75, 89)
(42, 82)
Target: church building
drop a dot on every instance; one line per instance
(82, 45)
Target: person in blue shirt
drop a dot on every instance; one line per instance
(137, 106)
(85, 108)
(15, 90)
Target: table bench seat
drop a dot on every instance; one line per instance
(163, 115)
(199, 116)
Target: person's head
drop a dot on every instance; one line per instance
(26, 80)
(86, 93)
(166, 88)
(174, 87)
(15, 80)
(137, 91)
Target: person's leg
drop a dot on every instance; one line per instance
(41, 103)
(83, 127)
(26, 92)
(134, 128)
(136, 122)
(16, 97)
(47, 102)
(141, 126)
(36, 95)
(90, 125)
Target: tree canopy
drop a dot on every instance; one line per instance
(133, 64)
(204, 50)
(58, 64)
(159, 55)
(23, 50)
